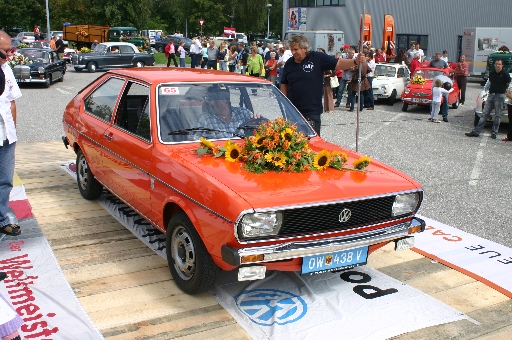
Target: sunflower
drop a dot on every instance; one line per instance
(276, 158)
(233, 152)
(206, 142)
(258, 140)
(287, 134)
(361, 163)
(321, 160)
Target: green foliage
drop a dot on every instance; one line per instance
(169, 15)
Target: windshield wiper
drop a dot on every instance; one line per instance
(203, 129)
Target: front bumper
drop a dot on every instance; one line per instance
(31, 80)
(378, 94)
(291, 250)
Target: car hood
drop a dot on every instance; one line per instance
(282, 189)
(383, 80)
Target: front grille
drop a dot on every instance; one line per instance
(21, 72)
(326, 218)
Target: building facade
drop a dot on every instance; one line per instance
(436, 25)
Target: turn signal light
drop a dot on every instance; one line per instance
(252, 258)
(415, 229)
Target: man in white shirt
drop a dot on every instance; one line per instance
(420, 51)
(9, 92)
(195, 52)
(445, 56)
(287, 54)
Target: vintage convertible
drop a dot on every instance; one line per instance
(170, 143)
(44, 66)
(112, 55)
(421, 94)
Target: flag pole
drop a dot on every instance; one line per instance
(360, 50)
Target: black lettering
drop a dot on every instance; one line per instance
(491, 251)
(475, 247)
(346, 276)
(506, 261)
(377, 292)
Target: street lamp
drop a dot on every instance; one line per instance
(268, 20)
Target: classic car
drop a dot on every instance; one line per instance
(160, 44)
(480, 103)
(389, 80)
(421, 94)
(68, 52)
(112, 55)
(45, 67)
(141, 134)
(25, 37)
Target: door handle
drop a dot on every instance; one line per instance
(109, 137)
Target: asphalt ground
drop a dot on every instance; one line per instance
(467, 181)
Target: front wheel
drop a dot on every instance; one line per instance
(91, 67)
(405, 106)
(89, 187)
(48, 81)
(190, 264)
(392, 98)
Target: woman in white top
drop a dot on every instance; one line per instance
(232, 58)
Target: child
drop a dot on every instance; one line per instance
(437, 94)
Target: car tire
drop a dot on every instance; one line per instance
(392, 98)
(91, 67)
(160, 49)
(89, 187)
(139, 64)
(405, 106)
(48, 81)
(455, 105)
(190, 264)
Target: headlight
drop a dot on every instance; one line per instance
(383, 87)
(40, 70)
(405, 204)
(260, 224)
(406, 91)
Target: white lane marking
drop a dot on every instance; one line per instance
(475, 173)
(62, 91)
(381, 126)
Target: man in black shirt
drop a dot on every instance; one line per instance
(59, 44)
(499, 80)
(303, 77)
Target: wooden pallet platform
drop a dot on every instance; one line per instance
(128, 292)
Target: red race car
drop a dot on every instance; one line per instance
(419, 91)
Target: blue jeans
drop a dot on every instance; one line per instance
(193, 60)
(368, 96)
(341, 89)
(444, 106)
(496, 101)
(352, 99)
(211, 64)
(6, 175)
(222, 65)
(182, 62)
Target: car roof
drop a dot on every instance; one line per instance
(158, 75)
(117, 43)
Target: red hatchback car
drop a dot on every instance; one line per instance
(416, 94)
(137, 133)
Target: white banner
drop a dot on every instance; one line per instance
(481, 259)
(357, 304)
(37, 289)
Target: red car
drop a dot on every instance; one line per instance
(145, 135)
(421, 94)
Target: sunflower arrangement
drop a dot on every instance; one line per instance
(277, 146)
(418, 80)
(18, 59)
(85, 50)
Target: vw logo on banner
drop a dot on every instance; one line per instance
(266, 307)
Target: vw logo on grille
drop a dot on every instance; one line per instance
(345, 215)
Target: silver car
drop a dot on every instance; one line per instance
(480, 103)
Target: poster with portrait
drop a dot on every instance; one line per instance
(297, 18)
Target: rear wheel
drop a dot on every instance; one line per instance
(405, 106)
(392, 98)
(91, 67)
(89, 187)
(191, 266)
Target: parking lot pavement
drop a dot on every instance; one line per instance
(466, 180)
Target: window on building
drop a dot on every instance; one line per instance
(405, 41)
(302, 3)
(330, 2)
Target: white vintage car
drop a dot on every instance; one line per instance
(480, 103)
(389, 80)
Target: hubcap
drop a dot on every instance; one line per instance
(183, 254)
(83, 169)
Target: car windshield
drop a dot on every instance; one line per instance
(36, 56)
(429, 74)
(385, 71)
(187, 112)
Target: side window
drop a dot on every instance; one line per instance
(102, 101)
(125, 49)
(401, 73)
(133, 111)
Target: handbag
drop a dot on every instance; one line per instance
(334, 82)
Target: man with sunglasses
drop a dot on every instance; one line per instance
(9, 92)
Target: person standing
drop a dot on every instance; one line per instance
(181, 51)
(212, 54)
(380, 57)
(37, 33)
(461, 74)
(415, 63)
(444, 57)
(437, 94)
(420, 51)
(447, 85)
(94, 44)
(303, 74)
(354, 84)
(410, 53)
(195, 52)
(223, 57)
(204, 53)
(272, 67)
(499, 80)
(241, 58)
(232, 57)
(52, 43)
(369, 102)
(508, 94)
(170, 53)
(254, 63)
(60, 47)
(438, 62)
(9, 92)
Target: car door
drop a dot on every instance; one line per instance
(55, 67)
(130, 148)
(111, 58)
(99, 106)
(127, 53)
(403, 77)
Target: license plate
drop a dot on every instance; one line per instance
(420, 100)
(332, 261)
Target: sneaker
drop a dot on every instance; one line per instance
(471, 134)
(436, 121)
(430, 119)
(445, 120)
(493, 136)
(336, 105)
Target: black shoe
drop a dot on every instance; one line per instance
(493, 135)
(445, 120)
(471, 134)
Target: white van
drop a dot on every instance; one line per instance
(241, 37)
